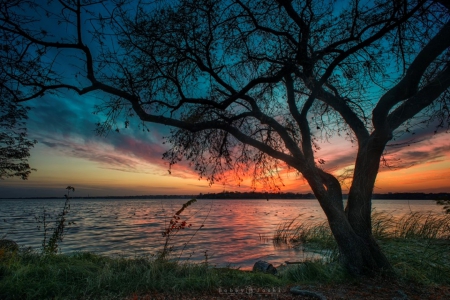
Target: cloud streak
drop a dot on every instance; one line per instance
(434, 149)
(67, 126)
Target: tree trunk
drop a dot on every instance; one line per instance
(352, 227)
(359, 203)
(355, 253)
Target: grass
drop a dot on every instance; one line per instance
(417, 246)
(297, 232)
(32, 275)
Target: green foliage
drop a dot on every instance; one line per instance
(14, 144)
(51, 246)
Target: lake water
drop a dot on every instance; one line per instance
(235, 232)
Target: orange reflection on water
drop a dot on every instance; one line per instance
(237, 232)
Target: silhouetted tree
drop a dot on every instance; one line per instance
(250, 86)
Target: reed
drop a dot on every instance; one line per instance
(417, 225)
(413, 225)
(172, 227)
(382, 224)
(297, 232)
(445, 202)
(50, 245)
(416, 244)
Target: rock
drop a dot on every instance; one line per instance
(264, 267)
(9, 245)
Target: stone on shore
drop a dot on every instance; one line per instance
(264, 267)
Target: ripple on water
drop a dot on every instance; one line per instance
(231, 234)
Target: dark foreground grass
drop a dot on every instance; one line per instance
(29, 275)
(419, 254)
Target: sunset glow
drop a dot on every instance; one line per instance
(127, 159)
(130, 163)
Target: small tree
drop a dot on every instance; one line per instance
(251, 84)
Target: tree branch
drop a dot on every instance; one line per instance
(420, 100)
(409, 83)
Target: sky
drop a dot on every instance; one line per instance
(129, 162)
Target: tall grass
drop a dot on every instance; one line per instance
(174, 243)
(417, 225)
(413, 225)
(297, 231)
(417, 244)
(172, 228)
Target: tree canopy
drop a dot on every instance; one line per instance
(249, 86)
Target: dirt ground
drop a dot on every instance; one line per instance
(379, 289)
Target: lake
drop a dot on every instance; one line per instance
(233, 233)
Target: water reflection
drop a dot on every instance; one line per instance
(234, 232)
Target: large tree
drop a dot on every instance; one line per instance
(251, 83)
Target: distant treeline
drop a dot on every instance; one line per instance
(263, 195)
(411, 196)
(259, 195)
(117, 197)
(255, 195)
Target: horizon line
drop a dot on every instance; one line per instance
(183, 196)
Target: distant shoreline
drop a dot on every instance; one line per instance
(258, 195)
